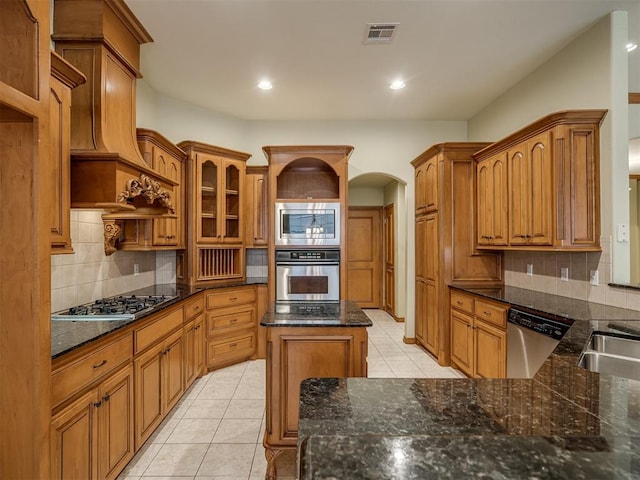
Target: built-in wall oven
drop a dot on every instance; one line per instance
(308, 275)
(310, 224)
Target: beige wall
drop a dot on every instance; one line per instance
(591, 72)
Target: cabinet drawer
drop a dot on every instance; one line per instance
(193, 308)
(153, 332)
(224, 351)
(71, 378)
(462, 302)
(491, 313)
(217, 324)
(230, 297)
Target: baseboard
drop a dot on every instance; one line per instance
(409, 340)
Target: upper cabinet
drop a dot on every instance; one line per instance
(64, 77)
(256, 222)
(215, 200)
(426, 178)
(539, 188)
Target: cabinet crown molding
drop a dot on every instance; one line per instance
(545, 123)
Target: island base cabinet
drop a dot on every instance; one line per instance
(92, 438)
(294, 354)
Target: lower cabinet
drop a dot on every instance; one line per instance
(92, 437)
(232, 332)
(478, 336)
(194, 360)
(159, 384)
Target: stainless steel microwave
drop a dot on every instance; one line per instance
(307, 223)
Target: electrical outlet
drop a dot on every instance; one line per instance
(136, 268)
(564, 274)
(530, 269)
(594, 277)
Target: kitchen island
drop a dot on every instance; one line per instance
(307, 340)
(566, 422)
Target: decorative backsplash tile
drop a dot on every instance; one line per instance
(547, 271)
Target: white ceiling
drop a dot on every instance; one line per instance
(456, 56)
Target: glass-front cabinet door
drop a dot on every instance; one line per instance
(219, 207)
(207, 205)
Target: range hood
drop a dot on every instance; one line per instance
(102, 39)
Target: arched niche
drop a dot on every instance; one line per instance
(308, 178)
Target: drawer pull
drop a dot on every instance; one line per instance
(488, 314)
(196, 308)
(233, 299)
(233, 345)
(106, 398)
(97, 404)
(459, 303)
(233, 320)
(101, 364)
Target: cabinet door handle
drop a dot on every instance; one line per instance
(101, 364)
(106, 398)
(97, 404)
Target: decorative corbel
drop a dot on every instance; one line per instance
(112, 231)
(147, 188)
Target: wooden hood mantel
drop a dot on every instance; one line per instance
(102, 39)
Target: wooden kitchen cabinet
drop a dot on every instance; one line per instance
(194, 340)
(553, 186)
(216, 179)
(531, 190)
(492, 201)
(92, 437)
(297, 353)
(64, 77)
(158, 367)
(257, 221)
(231, 326)
(168, 161)
(478, 335)
(445, 250)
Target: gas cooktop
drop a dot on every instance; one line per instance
(120, 307)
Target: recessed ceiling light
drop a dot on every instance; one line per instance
(631, 47)
(265, 85)
(397, 85)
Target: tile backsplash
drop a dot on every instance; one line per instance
(546, 274)
(88, 274)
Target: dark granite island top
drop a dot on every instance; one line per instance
(323, 314)
(565, 423)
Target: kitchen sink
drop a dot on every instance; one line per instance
(612, 355)
(627, 347)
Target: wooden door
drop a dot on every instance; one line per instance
(364, 265)
(389, 249)
(490, 351)
(206, 191)
(189, 345)
(167, 231)
(420, 190)
(540, 178)
(172, 371)
(232, 183)
(499, 223)
(462, 341)
(519, 196)
(256, 227)
(484, 202)
(431, 277)
(148, 386)
(73, 440)
(431, 184)
(199, 346)
(115, 419)
(420, 309)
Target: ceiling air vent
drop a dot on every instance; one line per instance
(380, 33)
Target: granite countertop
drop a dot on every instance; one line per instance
(69, 335)
(566, 422)
(323, 314)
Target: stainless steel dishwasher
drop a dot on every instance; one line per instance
(531, 338)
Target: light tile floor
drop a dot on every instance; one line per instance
(215, 431)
